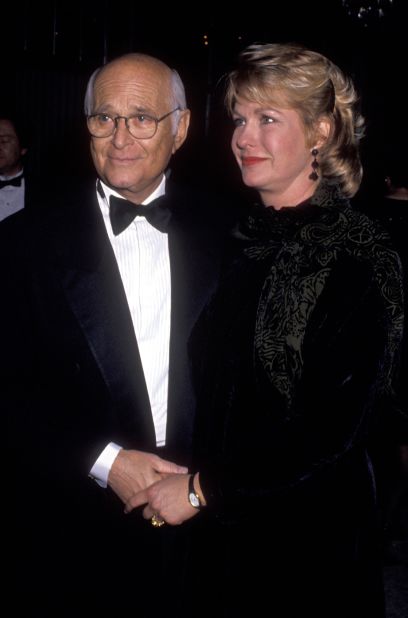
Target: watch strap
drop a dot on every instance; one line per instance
(193, 497)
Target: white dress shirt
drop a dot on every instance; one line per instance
(143, 259)
(11, 198)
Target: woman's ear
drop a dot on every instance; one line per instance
(322, 132)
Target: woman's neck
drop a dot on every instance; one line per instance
(292, 196)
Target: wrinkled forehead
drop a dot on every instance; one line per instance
(132, 84)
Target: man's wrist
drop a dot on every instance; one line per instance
(102, 466)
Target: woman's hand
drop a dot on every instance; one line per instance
(168, 499)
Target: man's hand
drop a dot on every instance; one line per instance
(167, 499)
(133, 471)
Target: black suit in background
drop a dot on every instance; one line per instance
(72, 381)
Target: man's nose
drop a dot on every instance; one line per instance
(121, 136)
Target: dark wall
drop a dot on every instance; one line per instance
(49, 49)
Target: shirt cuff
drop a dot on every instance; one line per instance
(101, 468)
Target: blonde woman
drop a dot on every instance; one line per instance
(295, 359)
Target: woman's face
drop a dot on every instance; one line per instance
(270, 147)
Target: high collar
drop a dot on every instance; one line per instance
(261, 221)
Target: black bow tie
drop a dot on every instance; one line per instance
(122, 213)
(12, 182)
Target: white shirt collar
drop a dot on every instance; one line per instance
(19, 173)
(160, 190)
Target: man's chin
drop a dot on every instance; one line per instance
(119, 182)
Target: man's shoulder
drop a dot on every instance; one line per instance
(198, 207)
(13, 227)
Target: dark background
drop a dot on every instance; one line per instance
(49, 49)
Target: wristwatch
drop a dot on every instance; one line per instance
(193, 497)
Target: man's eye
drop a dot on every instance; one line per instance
(143, 119)
(103, 118)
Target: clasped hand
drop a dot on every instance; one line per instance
(133, 471)
(140, 478)
(166, 498)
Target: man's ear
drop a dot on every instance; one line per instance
(182, 129)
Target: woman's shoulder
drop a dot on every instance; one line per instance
(356, 233)
(367, 241)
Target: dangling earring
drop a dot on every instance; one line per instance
(315, 165)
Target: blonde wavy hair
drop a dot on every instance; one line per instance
(292, 76)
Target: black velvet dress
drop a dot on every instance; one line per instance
(294, 361)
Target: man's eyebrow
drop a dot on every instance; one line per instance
(137, 109)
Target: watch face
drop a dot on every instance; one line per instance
(194, 501)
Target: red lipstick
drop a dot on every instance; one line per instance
(246, 161)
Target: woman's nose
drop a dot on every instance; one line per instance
(244, 136)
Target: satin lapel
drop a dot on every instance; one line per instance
(194, 274)
(94, 290)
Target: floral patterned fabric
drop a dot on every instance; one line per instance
(305, 242)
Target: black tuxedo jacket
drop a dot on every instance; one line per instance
(71, 374)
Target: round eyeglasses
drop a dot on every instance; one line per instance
(140, 126)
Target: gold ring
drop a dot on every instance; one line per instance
(156, 521)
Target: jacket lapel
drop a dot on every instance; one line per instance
(194, 265)
(93, 288)
(94, 291)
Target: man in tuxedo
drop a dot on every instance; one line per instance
(12, 182)
(98, 305)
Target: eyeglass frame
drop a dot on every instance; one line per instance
(126, 118)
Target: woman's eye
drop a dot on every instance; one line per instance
(238, 122)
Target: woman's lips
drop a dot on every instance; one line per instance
(247, 161)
